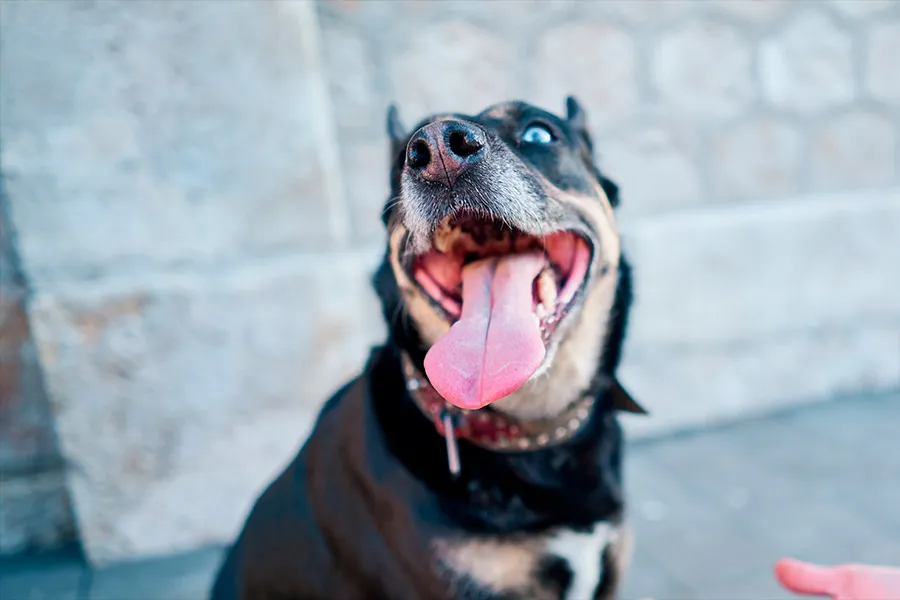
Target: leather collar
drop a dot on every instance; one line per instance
(499, 432)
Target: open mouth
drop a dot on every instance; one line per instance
(505, 293)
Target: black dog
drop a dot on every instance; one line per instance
(503, 285)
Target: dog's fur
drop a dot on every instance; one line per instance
(368, 509)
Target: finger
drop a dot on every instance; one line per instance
(804, 578)
(866, 581)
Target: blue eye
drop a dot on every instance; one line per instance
(537, 134)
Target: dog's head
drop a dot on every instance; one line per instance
(503, 265)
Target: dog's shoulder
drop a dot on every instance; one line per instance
(284, 543)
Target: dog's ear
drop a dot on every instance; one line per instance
(575, 114)
(577, 120)
(622, 400)
(610, 188)
(396, 131)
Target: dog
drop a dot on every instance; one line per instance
(479, 454)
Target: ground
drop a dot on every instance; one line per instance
(712, 511)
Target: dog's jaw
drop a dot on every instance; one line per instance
(575, 364)
(572, 368)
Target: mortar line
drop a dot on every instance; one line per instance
(307, 20)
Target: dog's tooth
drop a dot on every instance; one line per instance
(547, 289)
(540, 310)
(445, 237)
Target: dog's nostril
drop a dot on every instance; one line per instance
(418, 156)
(464, 144)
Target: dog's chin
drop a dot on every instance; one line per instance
(506, 297)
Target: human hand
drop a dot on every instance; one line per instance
(843, 582)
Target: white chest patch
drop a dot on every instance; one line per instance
(584, 553)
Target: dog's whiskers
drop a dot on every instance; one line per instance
(407, 253)
(395, 201)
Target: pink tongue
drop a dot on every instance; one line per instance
(496, 344)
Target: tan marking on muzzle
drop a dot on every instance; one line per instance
(430, 323)
(498, 112)
(600, 213)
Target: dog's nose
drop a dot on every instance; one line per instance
(443, 150)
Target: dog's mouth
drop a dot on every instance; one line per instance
(505, 294)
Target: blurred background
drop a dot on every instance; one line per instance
(190, 216)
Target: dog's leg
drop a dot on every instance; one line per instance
(616, 558)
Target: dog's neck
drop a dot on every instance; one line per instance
(498, 492)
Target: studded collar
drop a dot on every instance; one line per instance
(496, 431)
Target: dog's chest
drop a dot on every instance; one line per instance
(582, 551)
(533, 567)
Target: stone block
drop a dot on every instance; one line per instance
(704, 69)
(205, 122)
(640, 13)
(759, 270)
(595, 61)
(35, 513)
(852, 150)
(881, 59)
(383, 16)
(180, 396)
(366, 165)
(752, 11)
(686, 387)
(865, 9)
(655, 166)
(509, 15)
(450, 66)
(756, 159)
(347, 10)
(808, 66)
(350, 70)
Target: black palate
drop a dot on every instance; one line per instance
(479, 235)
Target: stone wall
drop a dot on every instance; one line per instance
(195, 187)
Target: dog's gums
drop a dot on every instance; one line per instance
(504, 292)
